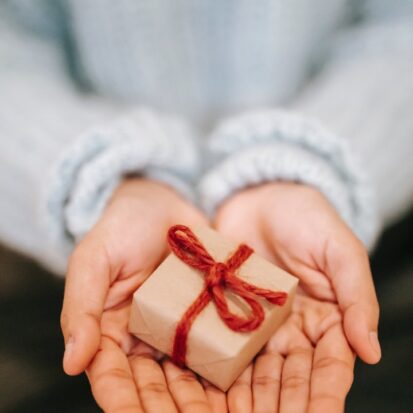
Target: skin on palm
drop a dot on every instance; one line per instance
(126, 375)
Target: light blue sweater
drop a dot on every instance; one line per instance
(209, 96)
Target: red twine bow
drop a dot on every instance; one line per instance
(218, 275)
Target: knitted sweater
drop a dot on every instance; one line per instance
(318, 92)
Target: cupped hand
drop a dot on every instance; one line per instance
(107, 266)
(294, 226)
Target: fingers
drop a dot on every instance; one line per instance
(332, 373)
(186, 390)
(348, 266)
(240, 393)
(86, 288)
(266, 382)
(111, 380)
(216, 397)
(151, 384)
(295, 381)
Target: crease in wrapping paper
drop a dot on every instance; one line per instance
(212, 345)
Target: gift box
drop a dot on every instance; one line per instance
(211, 304)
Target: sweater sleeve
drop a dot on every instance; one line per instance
(62, 152)
(348, 133)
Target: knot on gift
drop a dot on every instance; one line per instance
(218, 276)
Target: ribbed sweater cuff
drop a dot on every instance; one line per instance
(158, 146)
(268, 145)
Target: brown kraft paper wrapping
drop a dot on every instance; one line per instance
(215, 352)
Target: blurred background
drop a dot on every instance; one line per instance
(31, 378)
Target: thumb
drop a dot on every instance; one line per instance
(87, 284)
(347, 265)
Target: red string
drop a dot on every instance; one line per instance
(218, 276)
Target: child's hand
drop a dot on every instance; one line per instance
(107, 266)
(307, 366)
(297, 228)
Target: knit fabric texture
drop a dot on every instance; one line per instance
(162, 147)
(234, 93)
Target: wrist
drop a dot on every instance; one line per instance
(140, 195)
(137, 187)
(281, 198)
(280, 188)
(258, 195)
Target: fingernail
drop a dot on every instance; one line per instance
(68, 349)
(374, 343)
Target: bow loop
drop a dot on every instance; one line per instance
(186, 246)
(234, 321)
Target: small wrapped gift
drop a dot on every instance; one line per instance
(211, 304)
